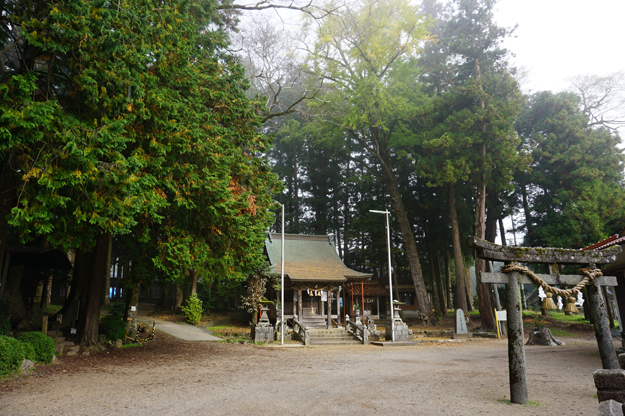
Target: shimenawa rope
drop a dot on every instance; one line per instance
(589, 276)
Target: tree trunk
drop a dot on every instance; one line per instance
(450, 304)
(435, 293)
(91, 312)
(165, 295)
(542, 336)
(526, 211)
(83, 267)
(48, 292)
(410, 246)
(486, 311)
(295, 195)
(132, 297)
(193, 282)
(503, 232)
(469, 289)
(106, 299)
(439, 283)
(455, 242)
(177, 297)
(7, 192)
(395, 284)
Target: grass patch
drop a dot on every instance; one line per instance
(576, 318)
(531, 403)
(474, 313)
(557, 332)
(559, 316)
(132, 345)
(53, 309)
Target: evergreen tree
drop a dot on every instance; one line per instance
(146, 130)
(574, 194)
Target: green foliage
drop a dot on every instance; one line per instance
(193, 310)
(557, 332)
(113, 327)
(42, 344)
(117, 309)
(132, 119)
(29, 352)
(5, 326)
(12, 354)
(538, 321)
(132, 345)
(574, 195)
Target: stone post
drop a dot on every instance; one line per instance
(516, 346)
(602, 327)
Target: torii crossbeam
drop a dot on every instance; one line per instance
(551, 256)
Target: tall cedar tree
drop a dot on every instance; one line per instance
(146, 131)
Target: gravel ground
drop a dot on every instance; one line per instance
(174, 377)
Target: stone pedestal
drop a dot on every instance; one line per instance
(402, 332)
(263, 331)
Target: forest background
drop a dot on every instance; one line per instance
(159, 135)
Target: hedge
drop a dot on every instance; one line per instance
(12, 354)
(43, 345)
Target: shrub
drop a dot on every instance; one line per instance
(43, 345)
(193, 310)
(29, 352)
(117, 309)
(11, 355)
(113, 327)
(5, 326)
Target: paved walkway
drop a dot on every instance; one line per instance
(182, 331)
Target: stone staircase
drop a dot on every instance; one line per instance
(332, 337)
(64, 347)
(314, 321)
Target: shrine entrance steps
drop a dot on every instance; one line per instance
(314, 321)
(332, 337)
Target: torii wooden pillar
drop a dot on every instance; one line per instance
(551, 256)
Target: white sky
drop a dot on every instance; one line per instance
(558, 39)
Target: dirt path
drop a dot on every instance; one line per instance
(173, 377)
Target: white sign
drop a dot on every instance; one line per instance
(133, 308)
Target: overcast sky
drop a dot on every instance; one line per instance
(558, 39)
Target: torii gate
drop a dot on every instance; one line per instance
(512, 280)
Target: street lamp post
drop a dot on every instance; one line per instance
(390, 280)
(282, 281)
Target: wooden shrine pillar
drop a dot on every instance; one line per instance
(329, 302)
(338, 306)
(300, 308)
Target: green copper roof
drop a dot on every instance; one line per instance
(309, 258)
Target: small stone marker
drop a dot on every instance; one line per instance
(461, 323)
